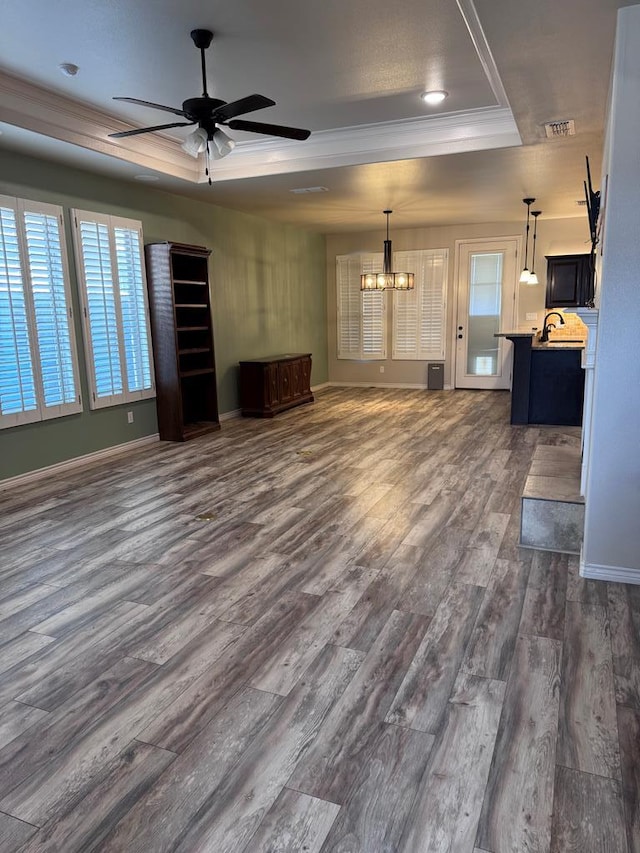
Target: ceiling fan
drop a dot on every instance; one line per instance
(210, 114)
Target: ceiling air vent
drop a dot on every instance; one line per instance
(566, 127)
(302, 190)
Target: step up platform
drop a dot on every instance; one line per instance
(552, 517)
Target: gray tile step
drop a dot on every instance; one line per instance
(552, 517)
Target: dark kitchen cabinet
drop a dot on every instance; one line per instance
(569, 281)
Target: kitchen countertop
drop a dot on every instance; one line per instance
(535, 343)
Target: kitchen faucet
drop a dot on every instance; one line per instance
(544, 336)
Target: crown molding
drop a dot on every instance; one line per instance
(474, 130)
(35, 108)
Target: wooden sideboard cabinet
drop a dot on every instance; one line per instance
(275, 383)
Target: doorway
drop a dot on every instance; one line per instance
(486, 305)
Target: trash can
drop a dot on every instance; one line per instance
(435, 377)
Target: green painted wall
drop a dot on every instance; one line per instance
(268, 291)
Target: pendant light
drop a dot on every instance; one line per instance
(533, 278)
(524, 275)
(387, 280)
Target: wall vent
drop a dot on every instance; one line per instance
(566, 127)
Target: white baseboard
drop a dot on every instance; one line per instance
(77, 461)
(227, 416)
(320, 386)
(615, 574)
(416, 386)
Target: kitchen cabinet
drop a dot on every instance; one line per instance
(569, 281)
(182, 332)
(275, 383)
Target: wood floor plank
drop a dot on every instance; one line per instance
(587, 737)
(297, 652)
(176, 726)
(363, 624)
(163, 814)
(374, 814)
(21, 647)
(629, 728)
(493, 640)
(422, 697)
(83, 827)
(16, 718)
(229, 818)
(518, 803)
(295, 822)
(447, 805)
(624, 615)
(14, 833)
(331, 764)
(588, 815)
(27, 766)
(482, 549)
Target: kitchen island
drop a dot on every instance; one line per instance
(548, 380)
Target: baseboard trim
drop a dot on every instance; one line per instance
(78, 461)
(227, 416)
(320, 386)
(614, 574)
(415, 386)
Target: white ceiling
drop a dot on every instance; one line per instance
(349, 70)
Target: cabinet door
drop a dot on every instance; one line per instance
(285, 385)
(272, 385)
(568, 281)
(306, 375)
(296, 378)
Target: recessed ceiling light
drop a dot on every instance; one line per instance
(68, 69)
(436, 96)
(148, 178)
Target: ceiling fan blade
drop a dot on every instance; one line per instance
(124, 133)
(244, 105)
(173, 110)
(270, 129)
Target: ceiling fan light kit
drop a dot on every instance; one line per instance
(387, 280)
(210, 114)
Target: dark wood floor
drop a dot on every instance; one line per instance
(315, 633)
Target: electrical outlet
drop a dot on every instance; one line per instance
(129, 417)
(382, 368)
(531, 315)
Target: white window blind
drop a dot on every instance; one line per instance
(362, 328)
(419, 316)
(38, 359)
(110, 263)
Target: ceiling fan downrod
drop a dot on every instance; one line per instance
(202, 40)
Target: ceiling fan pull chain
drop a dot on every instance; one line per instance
(208, 162)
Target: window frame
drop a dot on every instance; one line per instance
(42, 411)
(112, 223)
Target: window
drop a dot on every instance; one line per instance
(419, 315)
(362, 327)
(38, 359)
(117, 337)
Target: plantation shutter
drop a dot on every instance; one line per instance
(419, 316)
(38, 361)
(49, 279)
(116, 317)
(361, 316)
